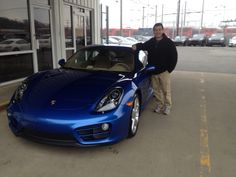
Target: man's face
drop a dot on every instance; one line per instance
(158, 31)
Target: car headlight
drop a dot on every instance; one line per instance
(110, 101)
(20, 91)
(222, 39)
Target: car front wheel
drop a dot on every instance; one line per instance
(134, 118)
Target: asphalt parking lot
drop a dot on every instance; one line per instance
(196, 140)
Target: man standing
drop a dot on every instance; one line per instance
(163, 55)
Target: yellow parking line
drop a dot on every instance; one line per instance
(205, 162)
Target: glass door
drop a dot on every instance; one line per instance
(80, 36)
(77, 28)
(43, 37)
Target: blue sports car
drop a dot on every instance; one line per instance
(94, 98)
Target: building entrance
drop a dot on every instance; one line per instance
(77, 25)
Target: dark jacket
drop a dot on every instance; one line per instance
(163, 54)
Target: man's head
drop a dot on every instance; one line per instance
(158, 30)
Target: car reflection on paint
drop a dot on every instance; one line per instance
(96, 97)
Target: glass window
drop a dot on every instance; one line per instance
(88, 28)
(46, 2)
(68, 26)
(15, 67)
(79, 29)
(69, 53)
(14, 26)
(43, 35)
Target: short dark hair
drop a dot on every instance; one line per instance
(158, 24)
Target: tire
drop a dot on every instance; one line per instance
(134, 117)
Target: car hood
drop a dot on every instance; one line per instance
(69, 89)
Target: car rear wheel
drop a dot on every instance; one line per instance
(134, 118)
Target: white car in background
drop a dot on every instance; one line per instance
(110, 41)
(232, 42)
(122, 40)
(132, 40)
(16, 44)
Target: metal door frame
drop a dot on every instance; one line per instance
(74, 13)
(33, 34)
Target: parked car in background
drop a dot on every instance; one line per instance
(141, 38)
(132, 40)
(110, 41)
(232, 42)
(181, 40)
(217, 39)
(121, 40)
(198, 39)
(16, 44)
(96, 97)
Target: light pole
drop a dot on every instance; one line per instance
(143, 18)
(162, 13)
(177, 19)
(155, 13)
(185, 5)
(202, 15)
(121, 17)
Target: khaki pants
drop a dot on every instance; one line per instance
(162, 88)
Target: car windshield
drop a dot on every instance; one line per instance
(108, 59)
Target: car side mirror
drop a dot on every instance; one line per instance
(62, 62)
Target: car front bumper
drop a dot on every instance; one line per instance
(71, 130)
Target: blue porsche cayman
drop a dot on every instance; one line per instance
(94, 98)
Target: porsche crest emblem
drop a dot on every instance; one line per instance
(53, 102)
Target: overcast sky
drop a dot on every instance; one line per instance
(215, 11)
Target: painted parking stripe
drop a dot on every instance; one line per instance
(205, 162)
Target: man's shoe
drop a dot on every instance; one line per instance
(158, 109)
(166, 110)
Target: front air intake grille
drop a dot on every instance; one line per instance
(93, 132)
(47, 135)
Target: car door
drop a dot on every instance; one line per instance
(143, 79)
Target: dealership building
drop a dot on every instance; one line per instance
(35, 34)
